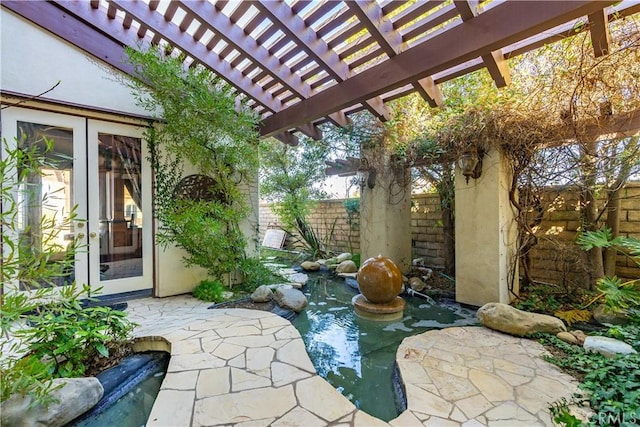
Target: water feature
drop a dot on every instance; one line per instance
(357, 356)
(130, 389)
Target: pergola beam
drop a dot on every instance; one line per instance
(381, 29)
(489, 31)
(86, 37)
(494, 61)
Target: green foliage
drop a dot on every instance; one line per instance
(561, 414)
(611, 386)
(208, 232)
(615, 294)
(209, 290)
(70, 335)
(352, 206)
(203, 126)
(201, 121)
(255, 274)
(629, 333)
(539, 299)
(27, 261)
(291, 176)
(44, 333)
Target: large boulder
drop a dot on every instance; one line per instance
(608, 347)
(510, 320)
(605, 316)
(291, 298)
(262, 294)
(300, 278)
(347, 266)
(72, 397)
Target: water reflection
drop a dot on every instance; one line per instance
(357, 356)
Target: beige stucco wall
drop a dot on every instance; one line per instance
(33, 60)
(485, 235)
(385, 212)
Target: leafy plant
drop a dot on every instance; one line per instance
(201, 127)
(256, 274)
(540, 300)
(613, 292)
(209, 290)
(561, 414)
(47, 332)
(290, 176)
(610, 386)
(70, 335)
(26, 265)
(573, 316)
(29, 251)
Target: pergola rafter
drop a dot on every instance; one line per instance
(381, 29)
(302, 63)
(296, 29)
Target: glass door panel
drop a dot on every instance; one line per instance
(120, 239)
(48, 199)
(120, 206)
(48, 202)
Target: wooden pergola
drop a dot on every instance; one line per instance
(303, 63)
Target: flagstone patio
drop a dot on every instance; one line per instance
(250, 368)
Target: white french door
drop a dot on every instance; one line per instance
(101, 169)
(119, 208)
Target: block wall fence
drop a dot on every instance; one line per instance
(556, 258)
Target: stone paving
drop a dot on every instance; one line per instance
(236, 367)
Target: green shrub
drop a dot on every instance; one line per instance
(61, 338)
(45, 333)
(613, 292)
(256, 274)
(71, 335)
(209, 290)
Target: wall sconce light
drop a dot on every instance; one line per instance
(366, 175)
(471, 165)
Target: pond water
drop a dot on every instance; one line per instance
(357, 356)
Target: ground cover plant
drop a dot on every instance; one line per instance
(609, 386)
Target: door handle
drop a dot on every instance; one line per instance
(80, 236)
(92, 235)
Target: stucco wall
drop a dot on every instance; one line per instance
(555, 259)
(34, 60)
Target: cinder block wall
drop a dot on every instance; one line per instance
(556, 258)
(330, 221)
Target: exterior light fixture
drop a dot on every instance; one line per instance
(471, 165)
(366, 175)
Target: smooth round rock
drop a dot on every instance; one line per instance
(310, 266)
(379, 280)
(567, 337)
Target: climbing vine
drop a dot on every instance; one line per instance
(200, 124)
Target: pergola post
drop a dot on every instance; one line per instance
(486, 235)
(385, 213)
